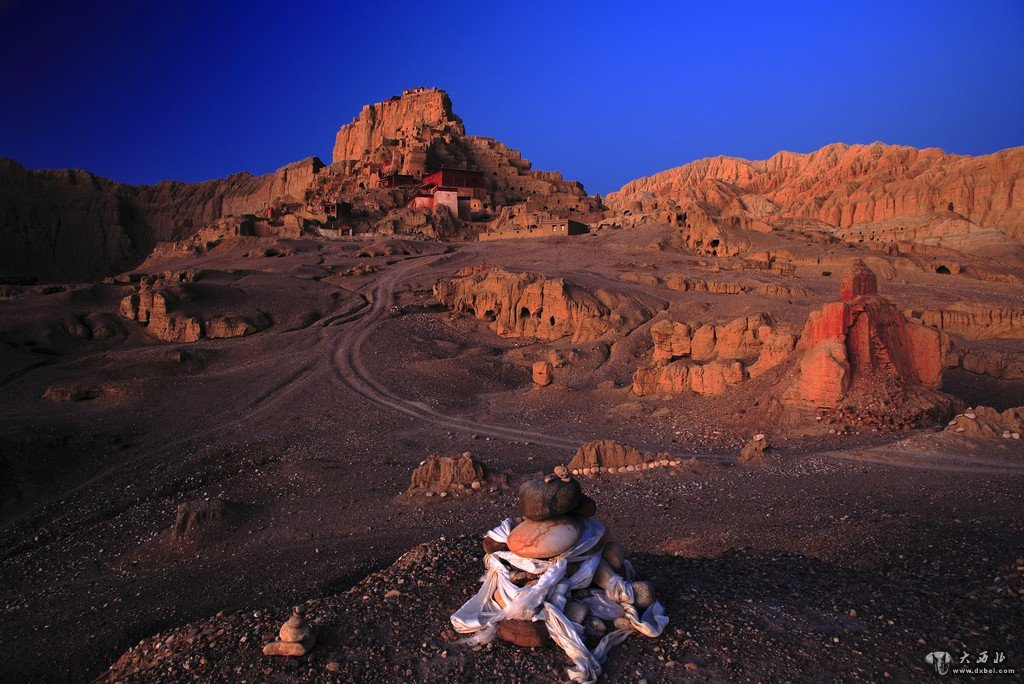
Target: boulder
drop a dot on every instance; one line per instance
(544, 538)
(587, 508)
(614, 555)
(549, 497)
(754, 450)
(644, 595)
(525, 633)
(542, 373)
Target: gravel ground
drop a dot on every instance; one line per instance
(746, 615)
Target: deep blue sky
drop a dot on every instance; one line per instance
(605, 92)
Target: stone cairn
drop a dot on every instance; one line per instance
(295, 637)
(556, 576)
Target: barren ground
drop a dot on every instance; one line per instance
(315, 424)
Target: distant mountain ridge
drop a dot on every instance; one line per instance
(74, 225)
(843, 185)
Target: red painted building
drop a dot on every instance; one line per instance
(455, 178)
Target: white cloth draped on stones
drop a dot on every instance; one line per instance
(545, 600)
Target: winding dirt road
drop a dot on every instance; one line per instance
(351, 371)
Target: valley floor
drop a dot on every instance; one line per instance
(845, 557)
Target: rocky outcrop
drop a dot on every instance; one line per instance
(683, 284)
(529, 305)
(842, 185)
(608, 456)
(754, 450)
(448, 474)
(974, 321)
(543, 373)
(985, 423)
(171, 311)
(708, 359)
(862, 347)
(199, 519)
(997, 363)
(71, 224)
(401, 133)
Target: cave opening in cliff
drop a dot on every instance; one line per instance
(524, 313)
(942, 270)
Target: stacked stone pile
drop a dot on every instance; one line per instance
(295, 638)
(556, 576)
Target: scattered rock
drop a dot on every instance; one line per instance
(754, 450)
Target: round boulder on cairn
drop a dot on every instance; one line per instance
(551, 496)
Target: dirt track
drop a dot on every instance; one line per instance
(315, 429)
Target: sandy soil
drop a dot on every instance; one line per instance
(314, 425)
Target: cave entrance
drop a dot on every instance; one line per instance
(942, 270)
(524, 312)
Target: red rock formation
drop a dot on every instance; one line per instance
(849, 187)
(528, 305)
(863, 349)
(708, 359)
(857, 281)
(846, 184)
(397, 135)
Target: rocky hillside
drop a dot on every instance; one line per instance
(861, 192)
(73, 225)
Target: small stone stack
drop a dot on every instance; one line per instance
(295, 637)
